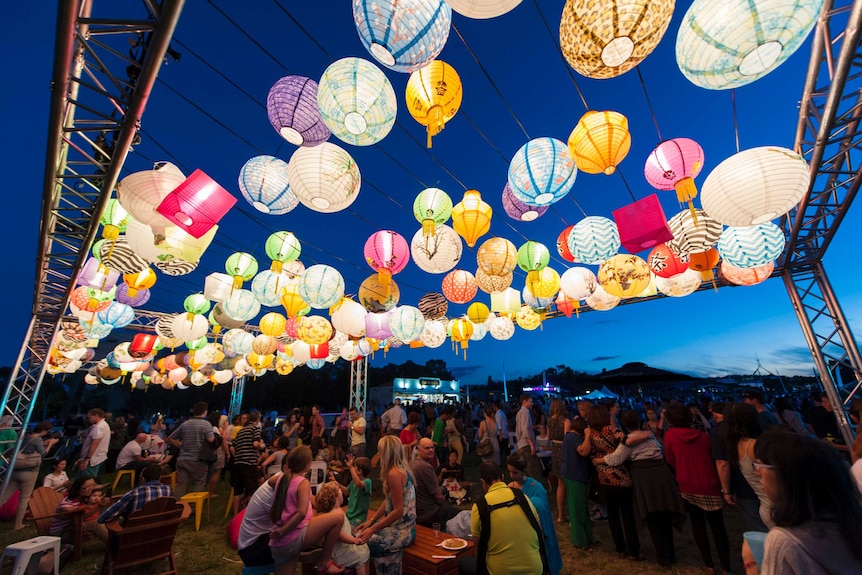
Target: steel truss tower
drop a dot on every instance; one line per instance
(359, 384)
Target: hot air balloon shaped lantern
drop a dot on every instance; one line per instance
(600, 141)
(433, 96)
(197, 204)
(642, 224)
(673, 165)
(431, 208)
(471, 217)
(387, 253)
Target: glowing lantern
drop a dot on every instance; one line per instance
(506, 301)
(387, 253)
(578, 283)
(693, 231)
(673, 165)
(406, 323)
(292, 109)
(679, 285)
(539, 304)
(267, 287)
(518, 210)
(264, 183)
(459, 286)
(664, 262)
(704, 262)
(376, 297)
(751, 246)
(755, 186)
(163, 327)
(493, 284)
(118, 256)
(478, 312)
(593, 240)
(139, 193)
(565, 304)
(321, 286)
(314, 330)
(264, 344)
(144, 279)
(727, 44)
(432, 207)
(282, 247)
(189, 329)
(242, 266)
(324, 178)
(223, 319)
(600, 141)
(272, 324)
(238, 340)
(113, 219)
(259, 361)
(501, 328)
(745, 276)
(642, 224)
(482, 9)
(600, 300)
(433, 96)
(532, 258)
(91, 300)
(178, 374)
(217, 286)
(563, 244)
(291, 300)
(497, 256)
(624, 275)
(97, 276)
(142, 344)
(196, 304)
(356, 101)
(317, 352)
(116, 315)
(377, 325)
(433, 334)
(171, 245)
(544, 284)
(433, 305)
(471, 217)
(197, 204)
(542, 172)
(436, 254)
(241, 305)
(527, 318)
(462, 331)
(604, 40)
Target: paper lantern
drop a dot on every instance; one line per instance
(745, 276)
(565, 304)
(432, 207)
(693, 231)
(542, 172)
(223, 319)
(604, 40)
(704, 262)
(471, 217)
(292, 109)
(97, 276)
(600, 141)
(727, 44)
(91, 300)
(293, 269)
(196, 304)
(314, 330)
(189, 329)
(461, 331)
(356, 101)
(272, 324)
(142, 344)
(113, 219)
(433, 96)
(544, 284)
(324, 178)
(242, 266)
(264, 344)
(406, 323)
(349, 317)
(755, 186)
(751, 246)
(268, 287)
(241, 305)
(349, 351)
(642, 224)
(506, 301)
(321, 286)
(673, 165)
(173, 243)
(478, 312)
(317, 353)
(439, 253)
(480, 330)
(377, 325)
(679, 285)
(497, 256)
(433, 305)
(217, 286)
(518, 210)
(387, 253)
(197, 204)
(433, 334)
(528, 319)
(139, 193)
(501, 328)
(539, 304)
(664, 262)
(493, 284)
(376, 297)
(291, 299)
(593, 240)
(600, 300)
(403, 35)
(578, 283)
(264, 183)
(116, 315)
(563, 244)
(532, 258)
(117, 255)
(163, 327)
(238, 340)
(282, 247)
(459, 286)
(144, 279)
(624, 275)
(483, 9)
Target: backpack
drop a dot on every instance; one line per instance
(485, 521)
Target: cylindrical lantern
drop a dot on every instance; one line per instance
(432, 207)
(217, 286)
(693, 231)
(242, 266)
(497, 256)
(542, 172)
(518, 210)
(483, 9)
(292, 109)
(751, 246)
(439, 253)
(264, 183)
(506, 301)
(471, 217)
(600, 141)
(375, 297)
(459, 286)
(324, 178)
(321, 286)
(433, 96)
(624, 275)
(593, 240)
(197, 204)
(673, 165)
(95, 275)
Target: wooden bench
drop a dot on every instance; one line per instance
(417, 557)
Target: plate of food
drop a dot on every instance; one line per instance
(453, 544)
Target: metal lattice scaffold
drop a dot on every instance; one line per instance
(359, 384)
(100, 87)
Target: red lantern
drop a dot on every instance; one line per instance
(142, 344)
(563, 245)
(642, 224)
(319, 351)
(566, 304)
(197, 204)
(459, 286)
(665, 263)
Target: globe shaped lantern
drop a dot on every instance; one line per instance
(693, 231)
(268, 287)
(532, 258)
(542, 172)
(377, 326)
(501, 328)
(139, 193)
(292, 109)
(722, 45)
(600, 141)
(114, 219)
(140, 280)
(578, 283)
(673, 165)
(518, 210)
(196, 304)
(624, 275)
(432, 207)
(221, 317)
(282, 247)
(387, 253)
(704, 262)
(217, 286)
(241, 305)
(264, 183)
(97, 276)
(471, 217)
(171, 245)
(745, 276)
(116, 315)
(176, 267)
(349, 317)
(751, 246)
(459, 286)
(433, 96)
(544, 284)
(242, 266)
(142, 296)
(483, 9)
(272, 324)
(439, 253)
(403, 35)
(477, 312)
(324, 178)
(664, 262)
(357, 101)
(755, 186)
(314, 330)
(461, 332)
(679, 285)
(321, 286)
(563, 244)
(527, 318)
(604, 40)
(189, 330)
(497, 256)
(406, 323)
(88, 300)
(433, 334)
(375, 297)
(493, 284)
(600, 300)
(593, 240)
(433, 305)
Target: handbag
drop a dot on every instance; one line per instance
(208, 452)
(484, 447)
(25, 461)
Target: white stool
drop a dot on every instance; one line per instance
(23, 551)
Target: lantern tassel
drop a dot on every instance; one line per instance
(276, 267)
(237, 283)
(428, 228)
(416, 343)
(435, 122)
(111, 232)
(384, 276)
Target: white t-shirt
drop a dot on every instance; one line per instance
(101, 431)
(127, 454)
(55, 482)
(357, 438)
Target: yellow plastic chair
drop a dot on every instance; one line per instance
(170, 479)
(229, 507)
(198, 499)
(130, 473)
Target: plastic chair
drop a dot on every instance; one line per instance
(199, 499)
(130, 473)
(169, 479)
(318, 475)
(24, 551)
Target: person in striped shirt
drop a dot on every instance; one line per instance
(246, 449)
(149, 489)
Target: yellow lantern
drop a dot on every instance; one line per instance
(314, 330)
(462, 329)
(273, 324)
(471, 217)
(257, 361)
(600, 141)
(144, 279)
(545, 283)
(434, 96)
(283, 367)
(527, 318)
(497, 256)
(624, 275)
(264, 344)
(292, 301)
(478, 312)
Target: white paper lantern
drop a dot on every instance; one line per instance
(140, 193)
(324, 178)
(349, 318)
(238, 341)
(578, 283)
(601, 300)
(349, 350)
(264, 183)
(223, 376)
(173, 243)
(433, 334)
(217, 286)
(501, 328)
(267, 287)
(439, 253)
(482, 9)
(679, 285)
(189, 329)
(406, 322)
(241, 305)
(300, 351)
(321, 286)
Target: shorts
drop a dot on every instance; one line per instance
(284, 553)
(244, 479)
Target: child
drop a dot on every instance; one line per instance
(359, 490)
(348, 551)
(450, 477)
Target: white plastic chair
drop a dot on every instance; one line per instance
(318, 475)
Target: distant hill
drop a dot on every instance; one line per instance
(638, 372)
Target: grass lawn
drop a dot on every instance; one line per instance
(207, 551)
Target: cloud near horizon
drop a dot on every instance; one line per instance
(604, 357)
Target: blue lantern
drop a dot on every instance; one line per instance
(593, 240)
(542, 172)
(264, 184)
(267, 287)
(751, 246)
(321, 286)
(406, 323)
(241, 305)
(116, 315)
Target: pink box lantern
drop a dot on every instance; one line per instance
(642, 224)
(197, 204)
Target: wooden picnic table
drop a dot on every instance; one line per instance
(418, 558)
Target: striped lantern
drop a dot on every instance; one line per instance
(483, 9)
(751, 246)
(321, 286)
(118, 256)
(593, 240)
(292, 109)
(264, 183)
(433, 305)
(542, 172)
(176, 267)
(439, 253)
(518, 210)
(693, 231)
(459, 286)
(116, 315)
(324, 178)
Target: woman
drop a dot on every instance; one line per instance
(576, 474)
(219, 423)
(688, 453)
(615, 485)
(157, 428)
(275, 460)
(341, 434)
(517, 466)
(319, 450)
(57, 479)
(291, 430)
(27, 466)
(558, 427)
(82, 496)
(488, 430)
(789, 417)
(293, 527)
(410, 436)
(743, 429)
(815, 505)
(652, 424)
(454, 430)
(393, 525)
(305, 427)
(657, 500)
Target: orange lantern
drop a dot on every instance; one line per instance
(471, 217)
(144, 279)
(459, 286)
(704, 262)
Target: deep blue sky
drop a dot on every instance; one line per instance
(707, 333)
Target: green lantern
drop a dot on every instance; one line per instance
(96, 251)
(196, 304)
(432, 207)
(214, 322)
(197, 344)
(282, 247)
(114, 219)
(532, 258)
(242, 266)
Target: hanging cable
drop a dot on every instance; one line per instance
(735, 124)
(626, 184)
(560, 53)
(649, 103)
(249, 36)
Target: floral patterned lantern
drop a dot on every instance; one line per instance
(242, 266)
(406, 323)
(375, 297)
(292, 109)
(600, 300)
(324, 178)
(433, 334)
(542, 172)
(600, 141)
(483, 9)
(321, 286)
(501, 328)
(497, 256)
(751, 246)
(642, 224)
(263, 182)
(459, 286)
(223, 319)
(673, 165)
(679, 285)
(387, 253)
(624, 275)
(238, 340)
(593, 240)
(664, 262)
(578, 283)
(433, 96)
(241, 305)
(432, 207)
(745, 276)
(563, 244)
(438, 253)
(197, 204)
(471, 217)
(493, 284)
(433, 305)
(518, 210)
(693, 231)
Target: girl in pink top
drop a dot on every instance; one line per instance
(294, 528)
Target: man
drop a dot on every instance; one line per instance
(526, 436)
(253, 542)
(189, 437)
(356, 425)
(149, 489)
(318, 426)
(438, 436)
(394, 419)
(431, 505)
(94, 452)
(513, 545)
(822, 417)
(503, 428)
(131, 455)
(765, 417)
(246, 450)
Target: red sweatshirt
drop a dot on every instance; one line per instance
(687, 451)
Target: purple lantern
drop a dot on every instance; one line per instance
(96, 276)
(518, 210)
(137, 301)
(377, 325)
(292, 109)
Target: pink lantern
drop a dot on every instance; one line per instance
(95, 275)
(377, 325)
(197, 204)
(642, 224)
(142, 297)
(672, 165)
(387, 253)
